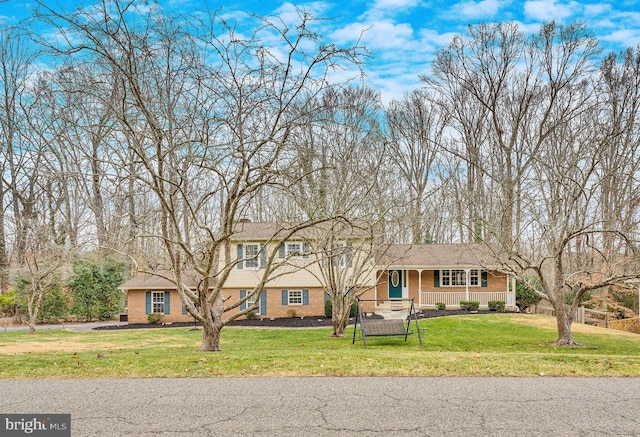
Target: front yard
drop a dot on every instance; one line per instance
(472, 345)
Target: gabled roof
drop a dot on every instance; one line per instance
(435, 256)
(262, 231)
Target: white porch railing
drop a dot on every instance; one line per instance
(453, 298)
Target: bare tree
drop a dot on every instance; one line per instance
(619, 143)
(537, 140)
(43, 243)
(416, 129)
(83, 120)
(208, 113)
(16, 65)
(40, 272)
(568, 259)
(492, 82)
(344, 256)
(337, 162)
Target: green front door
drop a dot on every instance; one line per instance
(395, 284)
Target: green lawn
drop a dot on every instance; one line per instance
(474, 345)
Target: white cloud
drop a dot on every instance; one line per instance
(380, 35)
(597, 9)
(395, 4)
(549, 10)
(386, 9)
(479, 9)
(623, 37)
(292, 11)
(529, 28)
(432, 39)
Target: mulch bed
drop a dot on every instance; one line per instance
(295, 322)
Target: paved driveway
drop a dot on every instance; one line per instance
(334, 406)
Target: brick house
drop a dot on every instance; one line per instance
(429, 273)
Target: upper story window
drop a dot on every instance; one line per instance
(251, 256)
(458, 278)
(345, 254)
(251, 251)
(293, 249)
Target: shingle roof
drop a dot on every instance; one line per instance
(157, 280)
(262, 231)
(431, 256)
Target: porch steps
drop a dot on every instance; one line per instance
(394, 310)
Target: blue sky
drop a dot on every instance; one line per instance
(403, 35)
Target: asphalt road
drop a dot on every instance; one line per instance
(334, 406)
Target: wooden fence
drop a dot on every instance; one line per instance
(585, 315)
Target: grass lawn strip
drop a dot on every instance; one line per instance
(487, 345)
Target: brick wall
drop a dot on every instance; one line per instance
(315, 307)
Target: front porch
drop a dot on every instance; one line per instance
(428, 288)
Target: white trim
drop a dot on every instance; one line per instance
(250, 301)
(157, 298)
(395, 278)
(462, 278)
(295, 303)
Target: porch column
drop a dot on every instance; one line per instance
(375, 290)
(467, 274)
(419, 288)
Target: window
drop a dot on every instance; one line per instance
(251, 251)
(251, 301)
(293, 249)
(251, 256)
(157, 302)
(261, 310)
(295, 297)
(344, 253)
(458, 278)
(263, 303)
(474, 278)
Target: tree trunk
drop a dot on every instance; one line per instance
(32, 327)
(4, 259)
(211, 324)
(211, 337)
(563, 320)
(339, 317)
(97, 203)
(33, 305)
